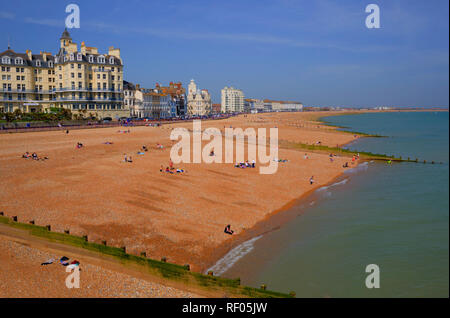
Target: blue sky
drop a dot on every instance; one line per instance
(318, 52)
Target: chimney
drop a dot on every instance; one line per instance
(83, 48)
(114, 52)
(138, 87)
(30, 56)
(44, 55)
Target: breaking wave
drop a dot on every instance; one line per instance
(233, 256)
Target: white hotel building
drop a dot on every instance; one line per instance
(232, 100)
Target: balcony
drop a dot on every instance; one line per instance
(86, 89)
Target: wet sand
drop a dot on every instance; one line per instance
(91, 191)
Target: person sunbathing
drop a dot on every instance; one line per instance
(26, 155)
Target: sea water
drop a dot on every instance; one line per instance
(395, 216)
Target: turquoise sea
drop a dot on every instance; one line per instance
(395, 216)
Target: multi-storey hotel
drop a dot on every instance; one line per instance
(84, 81)
(232, 100)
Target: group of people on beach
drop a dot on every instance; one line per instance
(171, 169)
(245, 164)
(33, 156)
(64, 261)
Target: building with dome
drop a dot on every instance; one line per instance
(198, 101)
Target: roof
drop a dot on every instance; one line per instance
(128, 86)
(66, 35)
(26, 60)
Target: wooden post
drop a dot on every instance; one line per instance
(48, 227)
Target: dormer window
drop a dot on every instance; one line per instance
(111, 60)
(101, 59)
(6, 60)
(56, 59)
(91, 59)
(19, 61)
(79, 57)
(38, 63)
(50, 63)
(66, 58)
(72, 57)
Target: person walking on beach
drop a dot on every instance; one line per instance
(311, 180)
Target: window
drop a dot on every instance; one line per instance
(101, 59)
(72, 75)
(19, 61)
(111, 60)
(79, 66)
(79, 57)
(50, 64)
(6, 60)
(72, 57)
(72, 65)
(38, 63)
(91, 59)
(79, 75)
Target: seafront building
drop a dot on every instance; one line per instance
(232, 100)
(216, 109)
(177, 101)
(253, 105)
(274, 105)
(129, 99)
(198, 101)
(85, 81)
